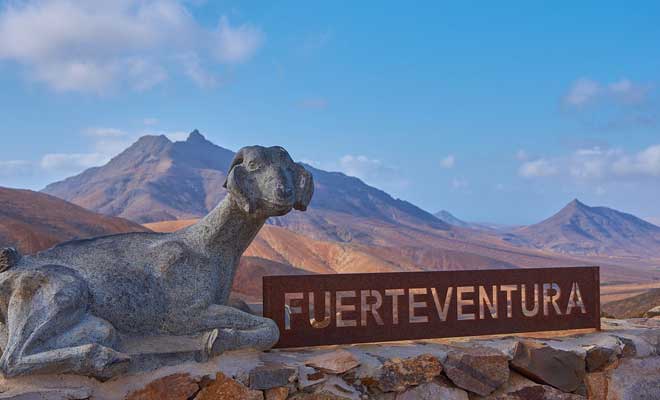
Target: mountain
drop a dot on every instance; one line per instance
(578, 229)
(449, 218)
(153, 180)
(158, 180)
(33, 221)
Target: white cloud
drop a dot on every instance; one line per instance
(72, 161)
(582, 92)
(459, 183)
(585, 91)
(538, 168)
(448, 162)
(597, 164)
(150, 121)
(236, 44)
(373, 172)
(616, 105)
(94, 46)
(11, 168)
(653, 220)
(192, 67)
(522, 155)
(177, 136)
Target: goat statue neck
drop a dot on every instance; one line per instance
(226, 227)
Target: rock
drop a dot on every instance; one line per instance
(9, 257)
(433, 391)
(601, 350)
(562, 369)
(279, 393)
(224, 388)
(478, 369)
(336, 362)
(398, 374)
(336, 386)
(654, 312)
(635, 379)
(308, 377)
(598, 357)
(171, 387)
(540, 392)
(271, 376)
(46, 394)
(596, 383)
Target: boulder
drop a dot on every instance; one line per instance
(171, 387)
(224, 388)
(336, 362)
(271, 376)
(635, 379)
(479, 370)
(309, 377)
(654, 312)
(562, 369)
(597, 383)
(433, 391)
(397, 374)
(279, 393)
(540, 392)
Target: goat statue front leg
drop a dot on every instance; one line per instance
(232, 329)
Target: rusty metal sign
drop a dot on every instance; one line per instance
(315, 310)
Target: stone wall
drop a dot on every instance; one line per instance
(620, 362)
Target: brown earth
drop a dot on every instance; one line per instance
(633, 307)
(33, 221)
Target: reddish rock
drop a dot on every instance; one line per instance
(171, 387)
(224, 388)
(280, 393)
(477, 369)
(336, 362)
(540, 392)
(597, 384)
(398, 374)
(562, 369)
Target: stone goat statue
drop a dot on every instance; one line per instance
(66, 309)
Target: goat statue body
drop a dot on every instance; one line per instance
(66, 309)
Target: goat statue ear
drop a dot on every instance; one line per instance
(304, 188)
(237, 184)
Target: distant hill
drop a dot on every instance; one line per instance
(633, 307)
(578, 229)
(33, 221)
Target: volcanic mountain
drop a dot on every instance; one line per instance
(158, 180)
(578, 229)
(33, 221)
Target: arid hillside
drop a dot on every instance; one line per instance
(33, 221)
(579, 229)
(633, 307)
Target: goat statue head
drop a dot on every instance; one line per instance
(266, 182)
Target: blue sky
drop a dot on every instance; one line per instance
(495, 112)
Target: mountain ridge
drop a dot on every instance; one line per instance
(580, 229)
